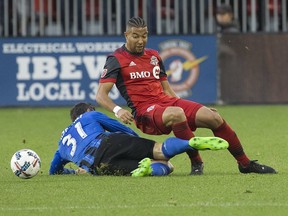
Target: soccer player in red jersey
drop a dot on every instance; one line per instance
(140, 76)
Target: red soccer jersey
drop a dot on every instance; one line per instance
(137, 77)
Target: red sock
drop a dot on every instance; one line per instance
(235, 148)
(182, 130)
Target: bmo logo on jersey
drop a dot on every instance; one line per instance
(146, 74)
(156, 72)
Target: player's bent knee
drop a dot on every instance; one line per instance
(174, 114)
(214, 120)
(208, 118)
(217, 119)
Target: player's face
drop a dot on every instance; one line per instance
(224, 18)
(136, 39)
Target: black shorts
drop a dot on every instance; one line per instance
(119, 154)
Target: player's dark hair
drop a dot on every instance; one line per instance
(79, 109)
(136, 22)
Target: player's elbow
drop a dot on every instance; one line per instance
(99, 98)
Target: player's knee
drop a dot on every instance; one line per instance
(174, 114)
(208, 118)
(215, 119)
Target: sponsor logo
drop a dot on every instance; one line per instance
(132, 64)
(51, 73)
(146, 74)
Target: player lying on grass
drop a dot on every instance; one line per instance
(103, 146)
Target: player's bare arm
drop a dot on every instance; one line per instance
(167, 89)
(103, 99)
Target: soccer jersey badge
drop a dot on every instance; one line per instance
(154, 60)
(104, 72)
(150, 108)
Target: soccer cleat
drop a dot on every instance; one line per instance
(144, 168)
(197, 168)
(255, 167)
(208, 143)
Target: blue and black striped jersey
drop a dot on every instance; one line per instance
(82, 135)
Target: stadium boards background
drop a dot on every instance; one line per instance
(230, 69)
(63, 71)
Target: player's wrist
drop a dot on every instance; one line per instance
(116, 109)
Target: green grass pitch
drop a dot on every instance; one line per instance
(222, 190)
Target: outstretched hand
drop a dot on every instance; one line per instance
(80, 171)
(125, 116)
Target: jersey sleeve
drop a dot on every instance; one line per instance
(111, 70)
(57, 165)
(163, 75)
(113, 125)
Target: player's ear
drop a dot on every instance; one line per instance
(90, 108)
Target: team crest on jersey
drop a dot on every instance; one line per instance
(104, 72)
(182, 67)
(150, 108)
(154, 60)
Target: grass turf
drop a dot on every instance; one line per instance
(222, 190)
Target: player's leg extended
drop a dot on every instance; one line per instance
(245, 165)
(173, 146)
(208, 118)
(211, 119)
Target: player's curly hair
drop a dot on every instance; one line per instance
(136, 22)
(79, 109)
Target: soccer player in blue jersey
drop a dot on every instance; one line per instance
(101, 145)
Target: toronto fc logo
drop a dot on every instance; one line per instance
(154, 60)
(181, 65)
